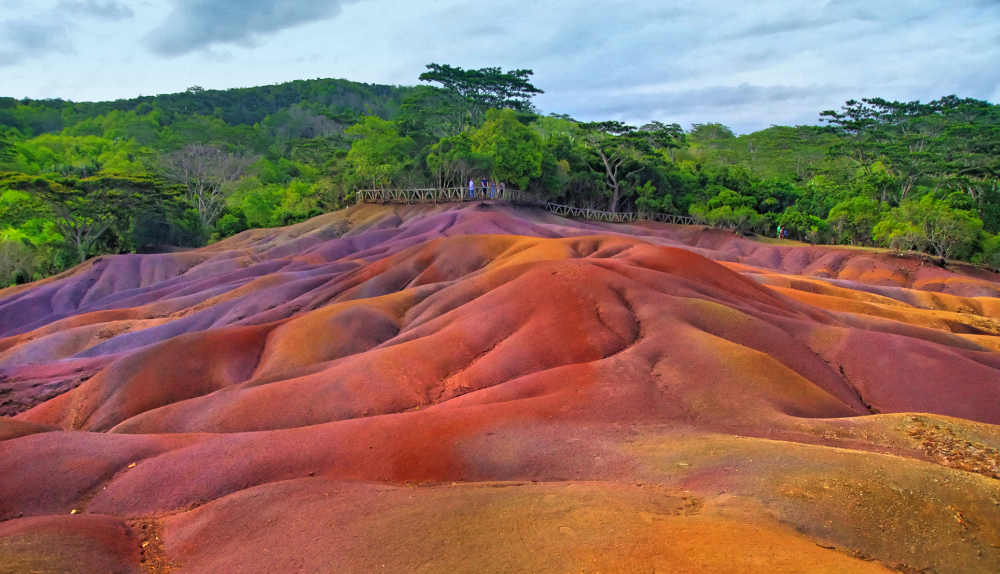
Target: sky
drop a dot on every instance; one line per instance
(747, 64)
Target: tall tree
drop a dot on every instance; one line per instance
(617, 147)
(854, 219)
(972, 158)
(515, 150)
(929, 223)
(484, 88)
(915, 142)
(207, 173)
(430, 113)
(453, 161)
(84, 209)
(668, 137)
(380, 152)
(857, 123)
(710, 134)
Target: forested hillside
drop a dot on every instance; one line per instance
(84, 179)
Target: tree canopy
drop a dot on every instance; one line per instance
(514, 150)
(484, 89)
(904, 175)
(379, 153)
(82, 210)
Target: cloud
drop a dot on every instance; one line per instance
(26, 38)
(49, 31)
(109, 10)
(195, 24)
(746, 63)
(743, 107)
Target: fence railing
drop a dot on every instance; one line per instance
(456, 194)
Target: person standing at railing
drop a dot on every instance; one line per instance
(502, 189)
(472, 188)
(485, 183)
(493, 189)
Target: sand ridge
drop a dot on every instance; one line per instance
(289, 399)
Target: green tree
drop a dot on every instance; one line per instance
(919, 145)
(430, 113)
(7, 149)
(854, 219)
(379, 153)
(453, 161)
(649, 201)
(989, 251)
(516, 151)
(972, 162)
(929, 224)
(875, 182)
(802, 225)
(84, 209)
(484, 89)
(710, 134)
(231, 223)
(730, 210)
(617, 149)
(207, 174)
(668, 138)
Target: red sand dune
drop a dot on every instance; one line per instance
(491, 389)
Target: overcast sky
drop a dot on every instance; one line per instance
(747, 64)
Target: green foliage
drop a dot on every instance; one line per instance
(989, 251)
(852, 220)
(82, 210)
(873, 175)
(707, 134)
(803, 226)
(929, 223)
(232, 223)
(430, 114)
(336, 99)
(730, 210)
(255, 205)
(379, 153)
(556, 127)
(616, 151)
(156, 228)
(78, 156)
(18, 262)
(477, 91)
(7, 149)
(649, 201)
(453, 161)
(515, 150)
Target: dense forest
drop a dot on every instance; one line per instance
(181, 170)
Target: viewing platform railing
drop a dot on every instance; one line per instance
(459, 194)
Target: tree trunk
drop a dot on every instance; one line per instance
(613, 207)
(81, 246)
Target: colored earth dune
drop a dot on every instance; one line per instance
(489, 389)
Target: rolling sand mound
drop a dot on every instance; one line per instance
(491, 389)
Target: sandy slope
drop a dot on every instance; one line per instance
(489, 389)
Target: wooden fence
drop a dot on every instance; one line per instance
(457, 194)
